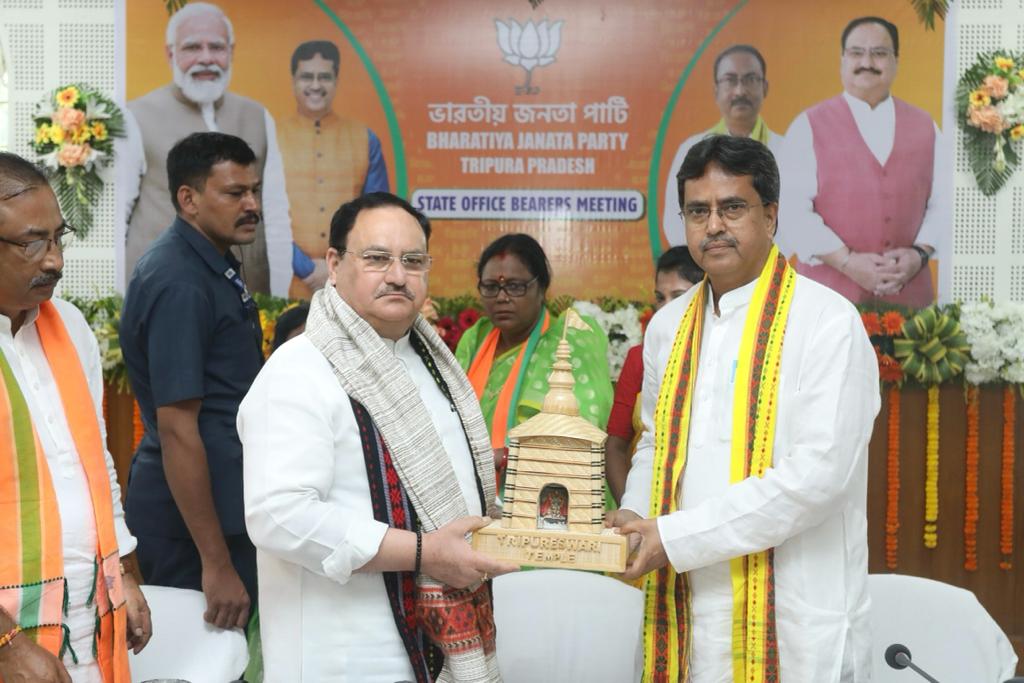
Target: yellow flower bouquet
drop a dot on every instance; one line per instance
(990, 99)
(75, 127)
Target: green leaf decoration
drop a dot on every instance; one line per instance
(927, 10)
(933, 348)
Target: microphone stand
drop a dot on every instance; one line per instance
(897, 656)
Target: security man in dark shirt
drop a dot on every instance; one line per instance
(191, 339)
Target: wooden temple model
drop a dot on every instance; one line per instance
(553, 513)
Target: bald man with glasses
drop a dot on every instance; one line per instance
(66, 611)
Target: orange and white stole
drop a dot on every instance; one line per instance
(32, 587)
(504, 417)
(667, 623)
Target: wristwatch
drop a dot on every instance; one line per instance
(923, 253)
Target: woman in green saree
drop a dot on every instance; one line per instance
(508, 354)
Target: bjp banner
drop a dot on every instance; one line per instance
(565, 119)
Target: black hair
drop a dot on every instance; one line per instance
(748, 49)
(678, 260)
(523, 247)
(18, 175)
(312, 48)
(344, 218)
(737, 156)
(192, 159)
(894, 32)
(287, 323)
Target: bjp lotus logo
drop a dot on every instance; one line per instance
(529, 46)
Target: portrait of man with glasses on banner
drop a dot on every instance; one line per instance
(509, 352)
(859, 206)
(741, 86)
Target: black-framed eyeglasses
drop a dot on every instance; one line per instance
(380, 261)
(748, 80)
(729, 213)
(514, 288)
(38, 248)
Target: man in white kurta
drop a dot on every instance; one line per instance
(810, 505)
(324, 610)
(28, 209)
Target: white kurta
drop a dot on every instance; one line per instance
(309, 513)
(802, 231)
(24, 352)
(810, 506)
(671, 221)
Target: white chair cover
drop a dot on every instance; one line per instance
(561, 625)
(948, 632)
(183, 645)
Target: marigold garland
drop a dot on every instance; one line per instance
(971, 483)
(1006, 503)
(931, 471)
(892, 482)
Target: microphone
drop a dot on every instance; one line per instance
(897, 656)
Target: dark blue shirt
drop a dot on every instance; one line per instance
(186, 334)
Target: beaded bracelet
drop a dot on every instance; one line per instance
(6, 638)
(419, 551)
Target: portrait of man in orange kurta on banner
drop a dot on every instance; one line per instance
(500, 116)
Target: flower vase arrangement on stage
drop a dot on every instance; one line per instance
(75, 127)
(990, 101)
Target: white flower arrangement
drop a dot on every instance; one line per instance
(621, 326)
(995, 332)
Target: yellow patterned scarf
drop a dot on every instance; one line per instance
(667, 626)
(760, 132)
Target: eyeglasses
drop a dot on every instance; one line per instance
(748, 80)
(38, 248)
(875, 52)
(380, 261)
(309, 79)
(514, 288)
(729, 213)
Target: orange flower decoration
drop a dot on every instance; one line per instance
(892, 322)
(971, 502)
(889, 369)
(872, 324)
(892, 481)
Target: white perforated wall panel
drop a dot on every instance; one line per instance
(988, 234)
(48, 42)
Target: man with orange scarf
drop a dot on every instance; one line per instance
(760, 392)
(66, 611)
